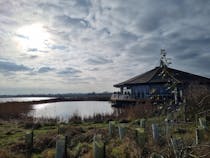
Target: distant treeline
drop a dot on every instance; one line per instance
(66, 96)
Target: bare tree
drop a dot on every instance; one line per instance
(197, 99)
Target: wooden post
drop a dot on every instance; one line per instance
(174, 145)
(208, 118)
(155, 133)
(185, 118)
(202, 123)
(29, 143)
(61, 129)
(122, 131)
(196, 119)
(177, 145)
(175, 96)
(143, 123)
(61, 147)
(98, 148)
(66, 143)
(140, 136)
(167, 123)
(111, 127)
(154, 155)
(167, 128)
(199, 135)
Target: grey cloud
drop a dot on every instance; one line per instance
(50, 7)
(86, 3)
(81, 79)
(45, 69)
(33, 56)
(21, 36)
(43, 51)
(128, 36)
(59, 47)
(148, 24)
(94, 69)
(36, 50)
(148, 48)
(203, 63)
(188, 55)
(69, 71)
(32, 50)
(73, 22)
(83, 5)
(105, 31)
(12, 67)
(5, 8)
(98, 61)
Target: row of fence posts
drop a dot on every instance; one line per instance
(178, 144)
(61, 144)
(98, 144)
(140, 136)
(158, 132)
(200, 130)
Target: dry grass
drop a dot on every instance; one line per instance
(80, 139)
(15, 110)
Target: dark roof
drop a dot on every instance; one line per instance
(153, 76)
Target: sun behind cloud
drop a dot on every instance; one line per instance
(32, 37)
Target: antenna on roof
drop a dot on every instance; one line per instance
(164, 62)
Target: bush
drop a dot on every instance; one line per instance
(31, 125)
(50, 153)
(4, 154)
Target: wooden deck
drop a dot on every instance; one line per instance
(124, 100)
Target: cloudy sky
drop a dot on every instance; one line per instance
(61, 46)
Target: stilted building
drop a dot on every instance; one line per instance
(159, 85)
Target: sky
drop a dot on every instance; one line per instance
(70, 46)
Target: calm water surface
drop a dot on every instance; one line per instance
(64, 110)
(23, 99)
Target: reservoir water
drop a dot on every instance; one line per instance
(65, 110)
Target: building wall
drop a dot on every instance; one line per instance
(145, 91)
(140, 91)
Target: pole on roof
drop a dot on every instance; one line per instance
(164, 62)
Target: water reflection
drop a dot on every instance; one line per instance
(64, 110)
(23, 99)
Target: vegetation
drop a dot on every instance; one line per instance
(80, 132)
(80, 138)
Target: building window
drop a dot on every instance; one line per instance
(143, 95)
(139, 95)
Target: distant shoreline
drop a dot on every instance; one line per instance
(61, 99)
(67, 95)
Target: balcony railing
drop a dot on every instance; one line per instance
(121, 97)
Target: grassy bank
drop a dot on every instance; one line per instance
(80, 132)
(80, 139)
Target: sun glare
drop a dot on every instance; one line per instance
(33, 37)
